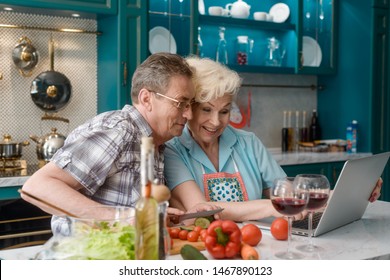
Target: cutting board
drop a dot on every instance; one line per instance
(178, 243)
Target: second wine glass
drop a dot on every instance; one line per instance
(319, 188)
(289, 200)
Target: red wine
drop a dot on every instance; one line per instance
(289, 206)
(317, 200)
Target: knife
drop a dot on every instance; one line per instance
(176, 219)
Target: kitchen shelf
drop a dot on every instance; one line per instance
(245, 23)
(261, 69)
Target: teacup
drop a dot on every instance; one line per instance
(270, 17)
(216, 11)
(260, 16)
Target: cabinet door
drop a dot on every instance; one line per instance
(90, 6)
(318, 31)
(170, 26)
(334, 172)
(315, 168)
(122, 47)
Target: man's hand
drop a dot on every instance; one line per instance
(376, 193)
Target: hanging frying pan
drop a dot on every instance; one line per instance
(51, 90)
(25, 56)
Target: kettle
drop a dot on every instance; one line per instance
(238, 9)
(48, 144)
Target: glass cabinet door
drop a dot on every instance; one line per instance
(317, 45)
(170, 26)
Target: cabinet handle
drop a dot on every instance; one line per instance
(301, 58)
(124, 83)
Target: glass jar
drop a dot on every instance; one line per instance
(244, 47)
(275, 52)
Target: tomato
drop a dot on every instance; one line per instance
(174, 232)
(197, 228)
(183, 234)
(193, 236)
(251, 234)
(279, 229)
(202, 234)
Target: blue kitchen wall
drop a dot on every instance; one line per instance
(347, 95)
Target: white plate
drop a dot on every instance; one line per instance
(312, 54)
(161, 40)
(280, 12)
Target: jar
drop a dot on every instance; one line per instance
(244, 47)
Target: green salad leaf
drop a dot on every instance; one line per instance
(115, 242)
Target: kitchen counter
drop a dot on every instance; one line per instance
(293, 158)
(17, 178)
(366, 238)
(10, 181)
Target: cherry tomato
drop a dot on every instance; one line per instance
(197, 228)
(193, 236)
(203, 234)
(251, 234)
(279, 229)
(174, 232)
(183, 234)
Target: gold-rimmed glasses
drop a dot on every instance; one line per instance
(181, 105)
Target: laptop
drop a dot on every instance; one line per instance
(349, 199)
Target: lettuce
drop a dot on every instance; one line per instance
(104, 242)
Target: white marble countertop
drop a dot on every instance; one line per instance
(290, 158)
(367, 238)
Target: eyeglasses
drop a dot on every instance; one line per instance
(181, 105)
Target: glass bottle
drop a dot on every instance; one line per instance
(221, 55)
(314, 129)
(244, 47)
(147, 210)
(275, 53)
(199, 49)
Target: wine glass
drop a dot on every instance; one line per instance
(289, 199)
(319, 188)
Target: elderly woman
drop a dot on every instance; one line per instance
(214, 163)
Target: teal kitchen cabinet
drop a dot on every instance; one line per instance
(306, 39)
(89, 6)
(171, 26)
(317, 40)
(121, 47)
(360, 90)
(330, 169)
(380, 89)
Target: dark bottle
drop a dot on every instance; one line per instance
(315, 129)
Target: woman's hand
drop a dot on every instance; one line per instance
(376, 193)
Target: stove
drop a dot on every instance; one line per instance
(16, 168)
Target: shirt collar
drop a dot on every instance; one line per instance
(226, 143)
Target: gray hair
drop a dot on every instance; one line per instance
(156, 72)
(212, 79)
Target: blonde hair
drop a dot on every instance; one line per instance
(212, 79)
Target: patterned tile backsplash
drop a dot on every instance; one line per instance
(75, 56)
(268, 103)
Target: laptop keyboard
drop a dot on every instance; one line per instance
(304, 224)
